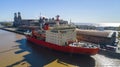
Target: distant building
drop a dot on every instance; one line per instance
(98, 37)
(18, 21)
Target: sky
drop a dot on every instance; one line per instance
(80, 11)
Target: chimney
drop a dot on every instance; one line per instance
(57, 20)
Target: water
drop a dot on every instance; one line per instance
(16, 51)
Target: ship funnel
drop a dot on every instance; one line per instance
(57, 20)
(46, 26)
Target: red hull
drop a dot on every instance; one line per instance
(68, 49)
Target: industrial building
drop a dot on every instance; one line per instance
(98, 37)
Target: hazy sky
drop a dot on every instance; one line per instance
(96, 11)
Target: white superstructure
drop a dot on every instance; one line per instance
(61, 35)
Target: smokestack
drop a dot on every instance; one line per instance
(57, 20)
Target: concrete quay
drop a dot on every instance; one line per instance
(12, 30)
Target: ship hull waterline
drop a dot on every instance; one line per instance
(66, 49)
